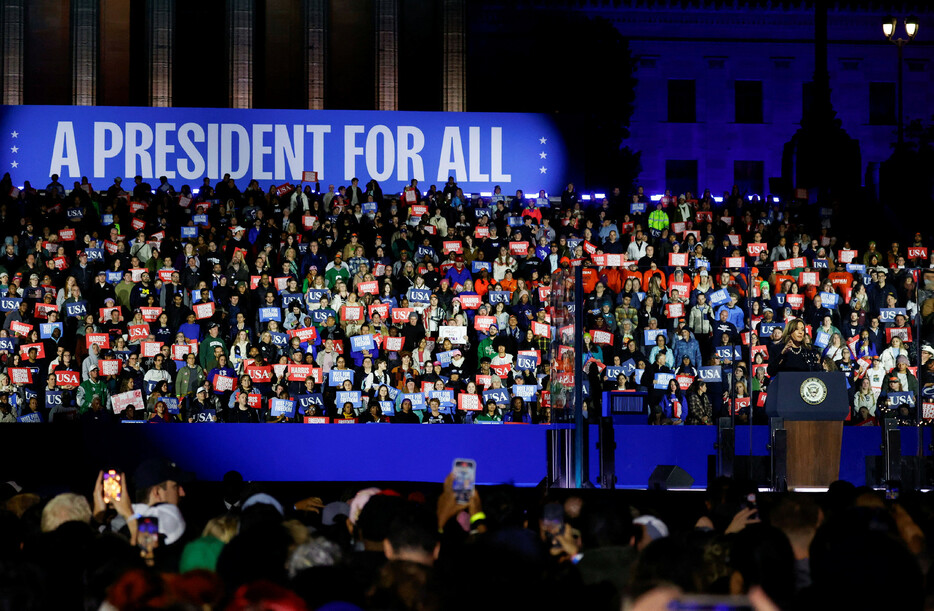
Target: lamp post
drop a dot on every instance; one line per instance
(911, 29)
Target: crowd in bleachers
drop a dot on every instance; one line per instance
(309, 304)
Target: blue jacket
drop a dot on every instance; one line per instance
(735, 315)
(458, 277)
(689, 348)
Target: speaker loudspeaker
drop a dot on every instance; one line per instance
(669, 476)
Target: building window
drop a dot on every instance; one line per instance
(748, 99)
(882, 103)
(749, 176)
(681, 176)
(682, 101)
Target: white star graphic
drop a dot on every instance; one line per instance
(543, 170)
(543, 155)
(14, 164)
(14, 149)
(541, 140)
(14, 134)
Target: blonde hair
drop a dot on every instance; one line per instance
(222, 527)
(66, 507)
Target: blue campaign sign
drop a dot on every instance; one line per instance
(424, 251)
(766, 328)
(114, 277)
(500, 395)
(96, 254)
(106, 220)
(8, 343)
(446, 397)
(388, 408)
(856, 267)
(651, 334)
(419, 295)
(315, 295)
(393, 392)
(321, 316)
(306, 401)
(822, 339)
(710, 374)
(821, 264)
(8, 304)
(900, 398)
(477, 266)
(33, 417)
(200, 219)
(53, 397)
(629, 366)
(661, 380)
(187, 144)
(336, 377)
(279, 339)
(417, 399)
(613, 373)
(282, 407)
(829, 300)
(208, 415)
(75, 213)
(514, 221)
(76, 309)
(498, 297)
(189, 232)
(526, 363)
(359, 343)
(445, 357)
(369, 207)
(636, 208)
(354, 397)
(270, 313)
(889, 314)
(478, 212)
(528, 392)
(289, 298)
(45, 329)
(732, 353)
(719, 297)
(171, 404)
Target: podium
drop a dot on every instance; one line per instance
(811, 407)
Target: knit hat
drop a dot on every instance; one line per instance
(201, 554)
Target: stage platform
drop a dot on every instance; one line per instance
(332, 453)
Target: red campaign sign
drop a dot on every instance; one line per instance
(599, 260)
(60, 263)
(704, 216)
(469, 403)
(280, 283)
(370, 287)
(40, 350)
(298, 373)
(903, 332)
(917, 252)
(101, 339)
(66, 235)
(150, 349)
(589, 248)
(150, 314)
(351, 313)
(379, 308)
(520, 249)
(138, 331)
(180, 351)
(678, 259)
(760, 349)
(626, 228)
(601, 338)
(760, 402)
(254, 400)
(309, 176)
(481, 232)
(42, 310)
(452, 246)
(306, 335)
(317, 420)
(683, 288)
(754, 248)
(483, 323)
(684, 381)
(795, 301)
(20, 328)
(224, 383)
(254, 282)
(741, 403)
(541, 329)
(678, 227)
(204, 310)
(784, 265)
(166, 274)
(259, 374)
(67, 379)
(927, 410)
(808, 278)
(544, 293)
(110, 247)
(401, 315)
(483, 380)
(393, 344)
(136, 273)
(674, 310)
(734, 239)
(107, 313)
(501, 370)
(308, 221)
(20, 375)
(470, 302)
(138, 224)
(418, 210)
(846, 256)
(338, 347)
(726, 220)
(283, 189)
(735, 262)
(109, 367)
(136, 207)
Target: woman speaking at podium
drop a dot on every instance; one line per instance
(793, 352)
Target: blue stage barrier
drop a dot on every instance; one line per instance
(504, 453)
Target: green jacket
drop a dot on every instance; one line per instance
(206, 351)
(188, 379)
(86, 393)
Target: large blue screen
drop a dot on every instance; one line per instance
(515, 151)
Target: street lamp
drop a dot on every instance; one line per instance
(888, 30)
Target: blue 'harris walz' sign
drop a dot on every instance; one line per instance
(275, 146)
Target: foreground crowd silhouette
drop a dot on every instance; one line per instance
(163, 541)
(294, 304)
